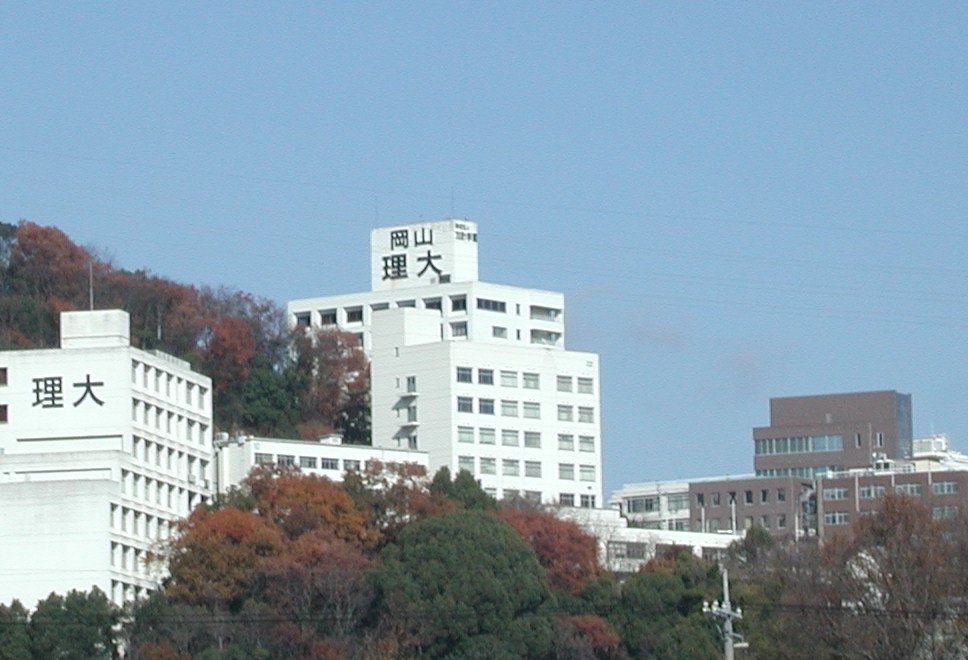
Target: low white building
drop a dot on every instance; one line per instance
(625, 549)
(654, 505)
(475, 374)
(102, 447)
(326, 457)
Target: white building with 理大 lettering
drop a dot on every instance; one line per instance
(102, 447)
(473, 373)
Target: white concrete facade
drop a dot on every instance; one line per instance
(654, 505)
(326, 457)
(102, 447)
(473, 373)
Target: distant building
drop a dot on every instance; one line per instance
(102, 447)
(326, 457)
(475, 374)
(822, 461)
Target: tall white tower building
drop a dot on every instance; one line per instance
(102, 447)
(475, 374)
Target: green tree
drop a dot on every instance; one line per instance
(79, 626)
(463, 490)
(464, 584)
(14, 632)
(660, 614)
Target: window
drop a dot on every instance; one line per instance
(531, 381)
(564, 383)
(510, 493)
(465, 375)
(586, 472)
(566, 471)
(465, 434)
(781, 494)
(642, 504)
(412, 442)
(411, 384)
(533, 496)
(510, 468)
(678, 502)
(285, 459)
(586, 414)
(466, 463)
(432, 303)
(532, 410)
(781, 520)
(465, 404)
(836, 518)
(406, 303)
(944, 487)
(263, 459)
(879, 439)
(307, 461)
(565, 413)
(412, 413)
(588, 502)
(799, 444)
(488, 466)
(586, 386)
(485, 376)
(857, 440)
(870, 492)
(3, 413)
(532, 439)
(765, 521)
(499, 332)
(351, 466)
(458, 329)
(509, 438)
(586, 443)
(487, 436)
(764, 496)
(566, 442)
(943, 512)
(914, 490)
(830, 494)
(327, 317)
(329, 463)
(354, 314)
(485, 406)
(458, 303)
(566, 499)
(3, 375)
(715, 499)
(509, 408)
(532, 468)
(491, 305)
(509, 378)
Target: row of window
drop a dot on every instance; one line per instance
(458, 303)
(747, 497)
(139, 524)
(802, 472)
(652, 503)
(162, 493)
(512, 468)
(167, 384)
(529, 409)
(529, 380)
(167, 458)
(129, 558)
(765, 521)
(169, 423)
(805, 444)
(873, 491)
(308, 462)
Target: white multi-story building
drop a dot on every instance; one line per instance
(102, 447)
(475, 374)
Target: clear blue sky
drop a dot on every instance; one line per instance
(739, 200)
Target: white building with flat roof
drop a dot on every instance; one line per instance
(475, 374)
(327, 457)
(102, 447)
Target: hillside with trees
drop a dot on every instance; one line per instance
(267, 381)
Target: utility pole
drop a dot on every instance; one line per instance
(726, 612)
